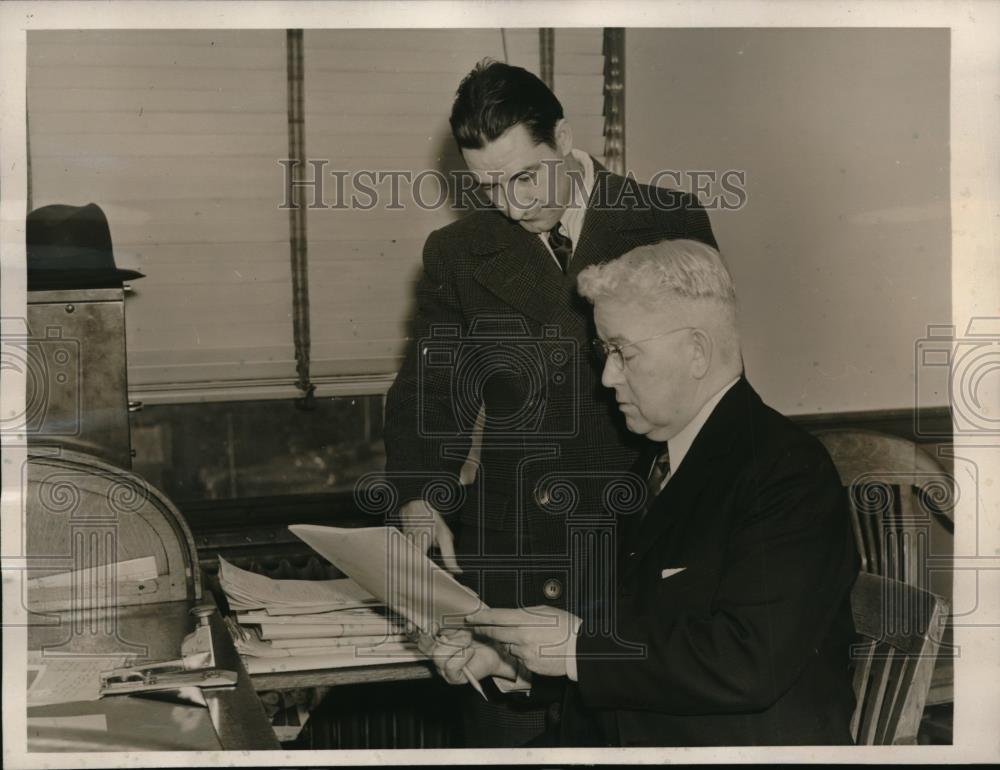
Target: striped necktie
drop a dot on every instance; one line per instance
(658, 474)
(562, 246)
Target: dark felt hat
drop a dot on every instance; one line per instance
(69, 247)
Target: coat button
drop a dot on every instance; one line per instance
(542, 496)
(552, 589)
(553, 714)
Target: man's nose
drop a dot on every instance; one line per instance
(612, 373)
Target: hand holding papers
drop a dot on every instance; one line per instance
(385, 563)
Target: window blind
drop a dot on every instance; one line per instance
(176, 135)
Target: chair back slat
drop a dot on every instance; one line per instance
(879, 683)
(899, 627)
(862, 539)
(895, 709)
(893, 488)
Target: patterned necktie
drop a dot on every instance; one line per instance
(657, 475)
(562, 247)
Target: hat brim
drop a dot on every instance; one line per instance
(42, 279)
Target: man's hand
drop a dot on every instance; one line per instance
(426, 527)
(541, 637)
(453, 650)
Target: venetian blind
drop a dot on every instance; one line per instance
(378, 101)
(176, 134)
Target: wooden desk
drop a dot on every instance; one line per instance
(237, 714)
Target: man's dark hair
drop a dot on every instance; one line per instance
(495, 97)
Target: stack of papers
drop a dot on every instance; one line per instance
(296, 625)
(334, 624)
(384, 562)
(250, 591)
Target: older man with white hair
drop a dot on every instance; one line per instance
(731, 606)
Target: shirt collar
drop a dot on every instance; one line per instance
(679, 445)
(572, 218)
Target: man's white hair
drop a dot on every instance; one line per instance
(659, 273)
(683, 275)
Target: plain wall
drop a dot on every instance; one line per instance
(841, 253)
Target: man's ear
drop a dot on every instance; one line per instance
(564, 137)
(702, 349)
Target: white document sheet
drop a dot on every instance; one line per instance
(143, 568)
(385, 563)
(63, 679)
(287, 631)
(348, 657)
(336, 618)
(302, 645)
(249, 591)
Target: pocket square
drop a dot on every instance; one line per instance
(671, 571)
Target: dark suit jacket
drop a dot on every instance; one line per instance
(503, 327)
(749, 644)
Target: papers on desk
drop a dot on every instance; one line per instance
(143, 568)
(62, 679)
(250, 591)
(296, 625)
(375, 622)
(359, 615)
(348, 657)
(342, 641)
(385, 563)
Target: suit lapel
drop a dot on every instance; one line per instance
(700, 468)
(606, 226)
(521, 272)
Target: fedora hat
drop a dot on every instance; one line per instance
(69, 247)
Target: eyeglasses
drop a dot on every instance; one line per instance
(605, 350)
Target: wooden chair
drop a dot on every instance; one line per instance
(899, 628)
(895, 491)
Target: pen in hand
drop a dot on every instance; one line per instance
(473, 681)
(469, 677)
